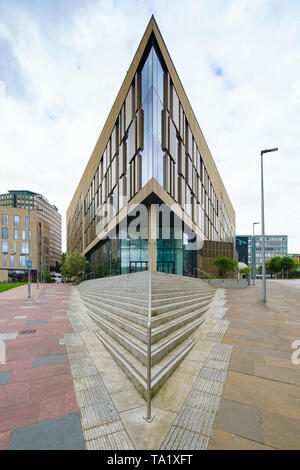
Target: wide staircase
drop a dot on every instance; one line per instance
(120, 305)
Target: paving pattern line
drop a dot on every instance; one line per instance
(193, 426)
(101, 424)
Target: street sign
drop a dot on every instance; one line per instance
(29, 264)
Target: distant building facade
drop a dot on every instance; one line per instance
(46, 213)
(295, 256)
(22, 236)
(250, 248)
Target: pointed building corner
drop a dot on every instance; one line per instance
(151, 151)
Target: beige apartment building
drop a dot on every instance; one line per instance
(151, 152)
(22, 236)
(46, 212)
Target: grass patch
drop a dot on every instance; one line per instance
(10, 285)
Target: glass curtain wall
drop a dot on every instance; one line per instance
(122, 255)
(174, 255)
(152, 88)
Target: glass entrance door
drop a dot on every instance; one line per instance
(136, 266)
(166, 267)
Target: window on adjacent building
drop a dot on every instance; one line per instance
(23, 234)
(27, 222)
(4, 260)
(22, 260)
(4, 247)
(4, 219)
(29, 235)
(25, 248)
(15, 234)
(11, 260)
(16, 220)
(4, 233)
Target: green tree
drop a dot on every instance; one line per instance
(246, 270)
(225, 265)
(74, 265)
(64, 270)
(46, 276)
(275, 265)
(268, 269)
(287, 264)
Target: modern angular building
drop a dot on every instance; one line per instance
(151, 173)
(46, 213)
(250, 249)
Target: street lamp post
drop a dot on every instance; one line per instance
(38, 260)
(254, 254)
(29, 270)
(263, 225)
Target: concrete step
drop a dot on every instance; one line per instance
(137, 373)
(141, 299)
(119, 306)
(160, 347)
(159, 306)
(134, 323)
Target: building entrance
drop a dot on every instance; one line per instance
(166, 267)
(137, 266)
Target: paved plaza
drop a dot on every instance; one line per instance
(236, 389)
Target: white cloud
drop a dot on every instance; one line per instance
(74, 59)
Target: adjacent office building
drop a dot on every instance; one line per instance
(295, 256)
(250, 249)
(23, 236)
(151, 152)
(46, 213)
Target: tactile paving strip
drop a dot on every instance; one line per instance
(193, 425)
(218, 331)
(100, 421)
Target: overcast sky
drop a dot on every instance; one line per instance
(62, 63)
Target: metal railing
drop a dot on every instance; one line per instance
(203, 273)
(149, 418)
(85, 277)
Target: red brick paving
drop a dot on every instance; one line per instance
(34, 394)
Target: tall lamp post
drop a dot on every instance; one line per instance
(263, 224)
(29, 273)
(254, 254)
(38, 260)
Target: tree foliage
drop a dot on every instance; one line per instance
(46, 276)
(225, 265)
(246, 270)
(74, 265)
(287, 264)
(275, 265)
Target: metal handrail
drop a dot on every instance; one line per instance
(205, 273)
(149, 418)
(85, 276)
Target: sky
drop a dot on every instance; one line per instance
(62, 63)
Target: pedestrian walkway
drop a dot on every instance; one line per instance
(38, 408)
(260, 406)
(236, 389)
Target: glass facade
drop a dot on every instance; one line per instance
(119, 256)
(152, 87)
(127, 253)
